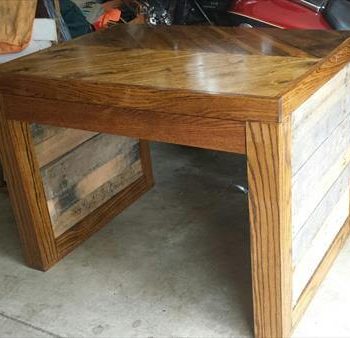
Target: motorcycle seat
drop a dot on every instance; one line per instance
(338, 14)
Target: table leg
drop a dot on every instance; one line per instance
(27, 193)
(269, 178)
(118, 185)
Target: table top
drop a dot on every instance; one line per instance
(226, 73)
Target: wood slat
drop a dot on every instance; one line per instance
(63, 141)
(93, 222)
(41, 133)
(319, 245)
(316, 119)
(321, 272)
(97, 177)
(86, 205)
(65, 173)
(318, 174)
(303, 240)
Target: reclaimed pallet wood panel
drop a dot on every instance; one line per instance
(83, 205)
(321, 272)
(320, 175)
(319, 245)
(82, 170)
(53, 142)
(317, 118)
(317, 219)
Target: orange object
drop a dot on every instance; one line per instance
(16, 17)
(112, 15)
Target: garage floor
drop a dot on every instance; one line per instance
(175, 264)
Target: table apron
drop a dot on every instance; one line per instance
(202, 132)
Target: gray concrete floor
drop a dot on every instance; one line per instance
(175, 264)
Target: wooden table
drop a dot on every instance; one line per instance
(280, 97)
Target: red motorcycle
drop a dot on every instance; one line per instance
(292, 14)
(288, 14)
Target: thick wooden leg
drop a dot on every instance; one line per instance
(52, 222)
(27, 193)
(269, 176)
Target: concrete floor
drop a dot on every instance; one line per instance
(175, 264)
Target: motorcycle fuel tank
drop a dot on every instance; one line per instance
(280, 13)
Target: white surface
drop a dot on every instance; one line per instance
(44, 33)
(44, 29)
(33, 47)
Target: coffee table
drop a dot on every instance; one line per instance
(280, 97)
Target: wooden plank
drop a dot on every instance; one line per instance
(318, 247)
(62, 175)
(319, 173)
(100, 176)
(316, 119)
(41, 133)
(61, 143)
(88, 204)
(85, 205)
(269, 178)
(304, 238)
(91, 182)
(194, 131)
(26, 193)
(93, 222)
(86, 177)
(320, 273)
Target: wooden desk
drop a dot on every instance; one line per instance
(280, 97)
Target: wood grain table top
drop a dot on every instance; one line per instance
(226, 73)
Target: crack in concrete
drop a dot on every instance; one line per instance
(19, 321)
